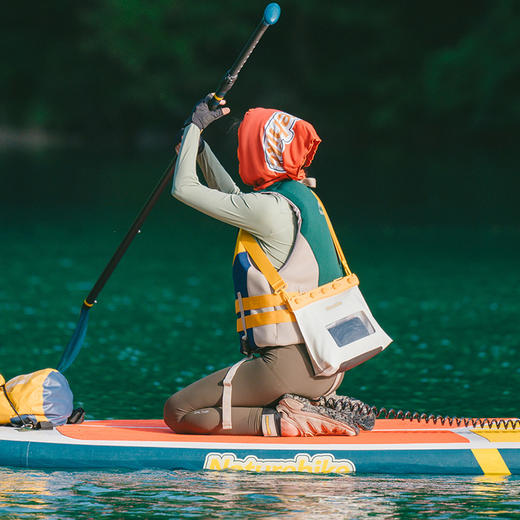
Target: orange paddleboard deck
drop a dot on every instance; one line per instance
(394, 447)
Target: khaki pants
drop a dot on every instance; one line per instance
(258, 383)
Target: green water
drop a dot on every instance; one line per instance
(447, 292)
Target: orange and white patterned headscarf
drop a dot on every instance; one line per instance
(274, 146)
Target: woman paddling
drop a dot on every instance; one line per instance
(275, 390)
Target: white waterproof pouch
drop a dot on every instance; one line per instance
(334, 319)
(337, 326)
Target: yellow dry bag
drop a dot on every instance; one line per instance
(42, 396)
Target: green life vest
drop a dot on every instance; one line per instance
(312, 262)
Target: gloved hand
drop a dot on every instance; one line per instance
(202, 116)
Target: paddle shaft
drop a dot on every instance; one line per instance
(90, 300)
(270, 17)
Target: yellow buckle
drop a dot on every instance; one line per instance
(279, 286)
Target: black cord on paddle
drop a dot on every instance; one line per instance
(341, 403)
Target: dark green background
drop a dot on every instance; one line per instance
(364, 72)
(417, 103)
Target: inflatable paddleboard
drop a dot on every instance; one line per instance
(393, 447)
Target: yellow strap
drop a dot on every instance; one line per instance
(239, 247)
(335, 240)
(266, 318)
(262, 262)
(248, 242)
(262, 301)
(325, 291)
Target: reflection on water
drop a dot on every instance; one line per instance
(181, 494)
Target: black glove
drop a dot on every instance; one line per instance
(202, 116)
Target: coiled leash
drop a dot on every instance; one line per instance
(342, 403)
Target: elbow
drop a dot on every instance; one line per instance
(176, 193)
(181, 193)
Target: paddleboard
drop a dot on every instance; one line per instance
(394, 446)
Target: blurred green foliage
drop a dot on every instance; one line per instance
(369, 71)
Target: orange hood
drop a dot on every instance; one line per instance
(273, 146)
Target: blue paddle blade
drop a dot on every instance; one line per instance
(76, 342)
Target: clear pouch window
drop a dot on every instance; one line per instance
(350, 329)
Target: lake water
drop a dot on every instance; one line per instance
(448, 292)
(179, 494)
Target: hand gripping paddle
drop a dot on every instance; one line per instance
(270, 17)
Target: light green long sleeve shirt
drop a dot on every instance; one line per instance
(267, 216)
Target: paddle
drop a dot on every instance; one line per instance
(270, 17)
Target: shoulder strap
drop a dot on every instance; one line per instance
(335, 240)
(266, 267)
(262, 262)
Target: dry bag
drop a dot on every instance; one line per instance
(42, 396)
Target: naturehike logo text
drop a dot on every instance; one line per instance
(302, 462)
(278, 133)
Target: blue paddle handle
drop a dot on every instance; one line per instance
(270, 17)
(271, 13)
